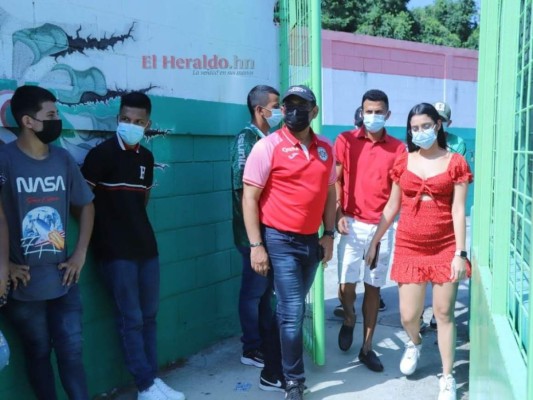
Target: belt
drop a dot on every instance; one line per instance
(295, 234)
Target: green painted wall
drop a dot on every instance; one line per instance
(497, 370)
(501, 356)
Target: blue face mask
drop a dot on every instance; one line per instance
(131, 134)
(424, 138)
(373, 122)
(275, 118)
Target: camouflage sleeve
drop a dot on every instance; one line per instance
(461, 147)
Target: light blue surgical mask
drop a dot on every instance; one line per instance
(131, 134)
(374, 122)
(424, 138)
(275, 118)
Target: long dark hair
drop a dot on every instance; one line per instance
(431, 112)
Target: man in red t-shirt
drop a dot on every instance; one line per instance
(364, 157)
(289, 190)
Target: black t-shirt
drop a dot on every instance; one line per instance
(121, 180)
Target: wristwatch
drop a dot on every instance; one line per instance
(329, 233)
(256, 244)
(461, 253)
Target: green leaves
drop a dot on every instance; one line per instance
(447, 22)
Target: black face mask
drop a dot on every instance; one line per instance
(51, 130)
(297, 119)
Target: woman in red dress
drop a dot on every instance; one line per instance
(429, 186)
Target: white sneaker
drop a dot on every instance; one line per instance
(410, 357)
(448, 388)
(152, 393)
(168, 391)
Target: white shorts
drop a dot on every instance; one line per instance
(351, 250)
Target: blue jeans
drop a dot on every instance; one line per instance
(43, 325)
(134, 285)
(255, 311)
(294, 260)
(4, 352)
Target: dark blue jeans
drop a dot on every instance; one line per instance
(294, 260)
(134, 285)
(255, 310)
(46, 325)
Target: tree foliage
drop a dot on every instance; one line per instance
(447, 22)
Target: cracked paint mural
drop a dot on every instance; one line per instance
(86, 101)
(196, 67)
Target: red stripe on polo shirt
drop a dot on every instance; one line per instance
(366, 184)
(294, 182)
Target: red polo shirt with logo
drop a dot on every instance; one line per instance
(294, 180)
(365, 181)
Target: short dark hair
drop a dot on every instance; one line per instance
(136, 100)
(28, 100)
(258, 96)
(376, 95)
(431, 112)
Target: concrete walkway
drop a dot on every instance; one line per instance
(216, 373)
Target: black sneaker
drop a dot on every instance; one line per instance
(433, 322)
(253, 358)
(371, 360)
(339, 311)
(345, 337)
(294, 390)
(382, 305)
(271, 383)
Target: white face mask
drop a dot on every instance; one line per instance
(131, 134)
(373, 122)
(424, 138)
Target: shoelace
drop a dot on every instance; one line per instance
(449, 384)
(294, 393)
(410, 350)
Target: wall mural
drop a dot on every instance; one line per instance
(188, 59)
(85, 100)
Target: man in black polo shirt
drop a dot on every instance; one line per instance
(121, 173)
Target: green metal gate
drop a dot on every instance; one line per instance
(301, 64)
(501, 324)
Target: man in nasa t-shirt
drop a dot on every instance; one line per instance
(38, 185)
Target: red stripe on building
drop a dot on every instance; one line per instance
(361, 53)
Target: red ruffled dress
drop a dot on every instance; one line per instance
(425, 239)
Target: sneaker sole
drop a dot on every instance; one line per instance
(253, 363)
(407, 373)
(270, 388)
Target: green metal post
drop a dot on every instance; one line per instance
(316, 83)
(284, 45)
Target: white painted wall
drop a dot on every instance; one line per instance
(179, 28)
(342, 92)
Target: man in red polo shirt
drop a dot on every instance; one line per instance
(364, 157)
(289, 190)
